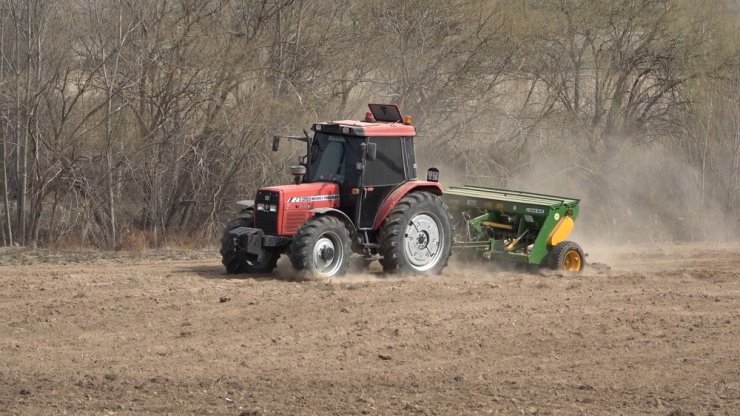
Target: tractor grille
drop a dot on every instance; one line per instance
(265, 220)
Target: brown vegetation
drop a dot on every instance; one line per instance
(127, 122)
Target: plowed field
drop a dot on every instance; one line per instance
(644, 330)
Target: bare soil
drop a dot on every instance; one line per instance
(644, 330)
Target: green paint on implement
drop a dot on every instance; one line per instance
(501, 224)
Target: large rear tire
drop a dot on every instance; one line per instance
(236, 262)
(567, 256)
(416, 237)
(321, 247)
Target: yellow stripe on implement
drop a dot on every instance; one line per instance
(498, 225)
(561, 231)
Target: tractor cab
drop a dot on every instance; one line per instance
(367, 159)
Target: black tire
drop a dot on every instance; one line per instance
(566, 256)
(405, 252)
(236, 262)
(321, 247)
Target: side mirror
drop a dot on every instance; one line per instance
(372, 151)
(275, 143)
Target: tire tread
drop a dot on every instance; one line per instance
(233, 262)
(393, 226)
(556, 258)
(300, 249)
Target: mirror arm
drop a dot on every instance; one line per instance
(276, 139)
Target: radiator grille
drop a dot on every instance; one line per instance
(266, 221)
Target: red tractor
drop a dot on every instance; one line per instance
(355, 191)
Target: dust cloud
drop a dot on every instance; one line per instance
(641, 195)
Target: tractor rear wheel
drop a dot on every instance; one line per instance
(567, 256)
(321, 247)
(236, 262)
(416, 237)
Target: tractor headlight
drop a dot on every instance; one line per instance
(266, 207)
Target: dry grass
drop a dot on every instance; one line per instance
(141, 240)
(70, 242)
(134, 240)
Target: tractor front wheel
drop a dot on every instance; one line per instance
(321, 247)
(236, 261)
(567, 256)
(416, 237)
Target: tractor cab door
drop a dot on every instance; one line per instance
(393, 165)
(334, 158)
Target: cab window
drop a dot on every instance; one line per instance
(387, 168)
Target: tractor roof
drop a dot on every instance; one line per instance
(382, 120)
(366, 129)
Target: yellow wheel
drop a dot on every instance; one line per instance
(572, 261)
(567, 256)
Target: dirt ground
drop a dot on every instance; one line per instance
(645, 330)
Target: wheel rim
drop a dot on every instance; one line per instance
(572, 261)
(328, 254)
(423, 242)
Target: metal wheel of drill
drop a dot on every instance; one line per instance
(321, 247)
(416, 237)
(240, 262)
(567, 256)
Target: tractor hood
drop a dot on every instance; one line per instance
(297, 204)
(308, 195)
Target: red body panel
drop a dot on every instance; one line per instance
(398, 193)
(376, 129)
(297, 200)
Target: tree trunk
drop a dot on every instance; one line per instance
(8, 225)
(19, 172)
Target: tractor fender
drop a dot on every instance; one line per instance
(337, 213)
(245, 204)
(402, 190)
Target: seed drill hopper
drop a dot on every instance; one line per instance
(514, 226)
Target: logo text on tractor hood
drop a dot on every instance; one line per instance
(313, 198)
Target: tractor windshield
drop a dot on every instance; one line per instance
(334, 159)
